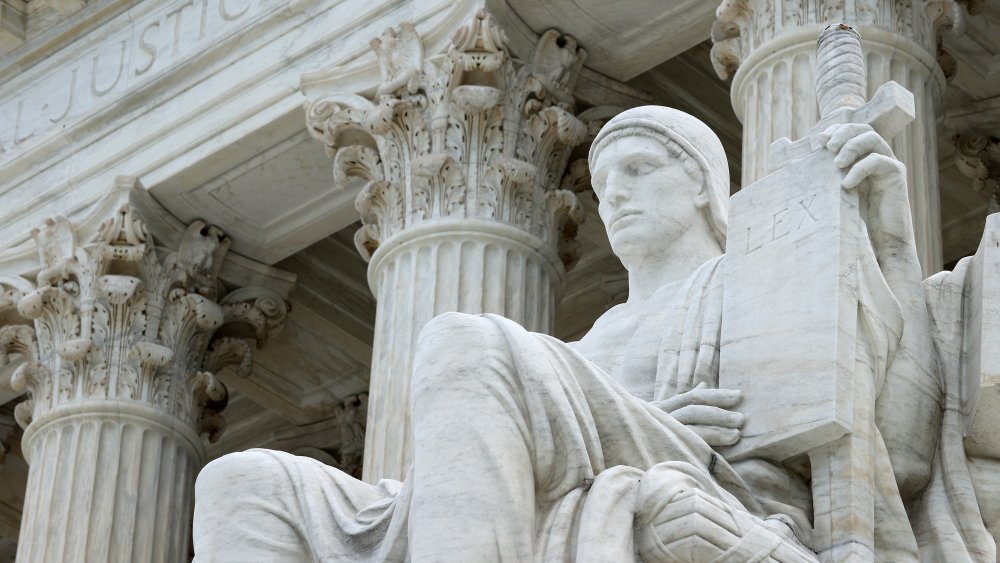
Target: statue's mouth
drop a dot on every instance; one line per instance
(623, 214)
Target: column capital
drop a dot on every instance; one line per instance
(975, 132)
(743, 26)
(468, 134)
(977, 156)
(118, 318)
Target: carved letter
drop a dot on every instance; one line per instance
(177, 25)
(98, 92)
(226, 15)
(805, 211)
(204, 18)
(777, 220)
(69, 102)
(18, 139)
(148, 48)
(756, 248)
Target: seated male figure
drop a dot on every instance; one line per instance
(530, 449)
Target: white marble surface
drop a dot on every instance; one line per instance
(117, 348)
(964, 304)
(502, 416)
(214, 130)
(192, 109)
(622, 424)
(630, 27)
(462, 208)
(768, 47)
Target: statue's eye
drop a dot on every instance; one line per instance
(640, 167)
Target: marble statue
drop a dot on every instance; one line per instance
(623, 446)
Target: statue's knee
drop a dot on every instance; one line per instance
(220, 479)
(451, 330)
(454, 339)
(452, 348)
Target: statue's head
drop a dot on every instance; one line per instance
(660, 175)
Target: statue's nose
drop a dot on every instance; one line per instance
(614, 189)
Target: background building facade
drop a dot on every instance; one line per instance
(223, 222)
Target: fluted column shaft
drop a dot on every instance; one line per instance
(461, 156)
(771, 46)
(108, 482)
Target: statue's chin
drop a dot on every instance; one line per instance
(635, 247)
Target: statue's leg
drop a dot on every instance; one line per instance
(263, 505)
(242, 511)
(507, 423)
(472, 475)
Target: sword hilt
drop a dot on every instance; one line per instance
(841, 82)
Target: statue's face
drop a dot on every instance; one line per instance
(647, 197)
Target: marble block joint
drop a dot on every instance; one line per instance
(461, 156)
(121, 343)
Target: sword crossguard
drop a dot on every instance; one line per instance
(841, 86)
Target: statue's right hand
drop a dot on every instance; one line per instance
(707, 412)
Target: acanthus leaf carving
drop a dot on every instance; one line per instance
(351, 421)
(208, 398)
(566, 212)
(253, 312)
(230, 352)
(732, 17)
(195, 266)
(355, 161)
(110, 319)
(743, 26)
(24, 412)
(17, 339)
(473, 134)
(726, 57)
(366, 240)
(977, 156)
(438, 173)
(340, 121)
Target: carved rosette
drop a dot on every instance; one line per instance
(470, 134)
(743, 26)
(111, 319)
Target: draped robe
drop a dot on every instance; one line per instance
(526, 448)
(580, 442)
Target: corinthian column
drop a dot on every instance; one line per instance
(120, 343)
(461, 155)
(770, 45)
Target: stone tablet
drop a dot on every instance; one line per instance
(793, 258)
(789, 308)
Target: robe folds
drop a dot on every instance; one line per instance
(558, 444)
(586, 445)
(524, 450)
